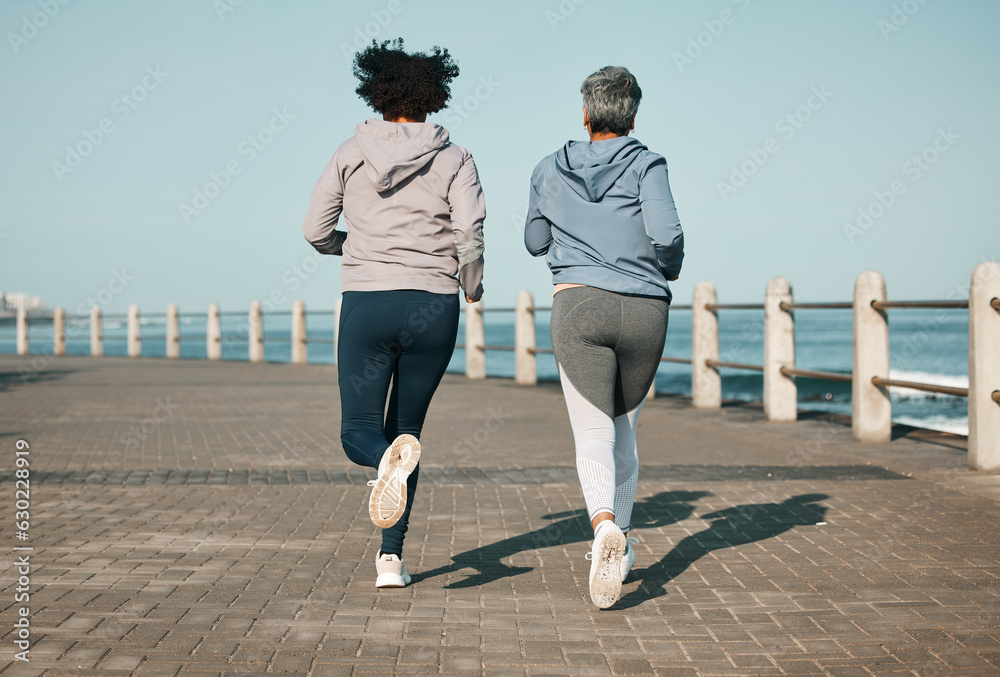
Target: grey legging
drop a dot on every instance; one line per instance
(608, 347)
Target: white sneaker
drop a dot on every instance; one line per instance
(606, 564)
(628, 560)
(392, 572)
(388, 498)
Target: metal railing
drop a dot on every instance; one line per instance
(926, 387)
(871, 406)
(870, 378)
(212, 335)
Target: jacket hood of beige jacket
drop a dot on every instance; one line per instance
(393, 152)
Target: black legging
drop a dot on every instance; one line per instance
(403, 336)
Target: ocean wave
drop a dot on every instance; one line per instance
(949, 380)
(957, 425)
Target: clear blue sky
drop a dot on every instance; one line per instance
(200, 82)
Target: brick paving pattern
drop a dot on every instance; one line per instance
(200, 518)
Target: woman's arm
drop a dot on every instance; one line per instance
(325, 207)
(537, 228)
(660, 217)
(468, 212)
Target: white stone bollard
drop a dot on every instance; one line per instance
(96, 332)
(134, 340)
(58, 332)
(871, 410)
(213, 333)
(780, 392)
(256, 338)
(336, 326)
(22, 331)
(984, 368)
(475, 342)
(706, 383)
(173, 332)
(300, 349)
(525, 361)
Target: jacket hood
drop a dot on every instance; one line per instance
(394, 151)
(591, 168)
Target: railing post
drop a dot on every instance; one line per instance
(475, 341)
(256, 339)
(96, 332)
(780, 393)
(706, 383)
(134, 333)
(213, 333)
(984, 368)
(173, 332)
(525, 362)
(871, 410)
(58, 332)
(300, 349)
(336, 326)
(22, 330)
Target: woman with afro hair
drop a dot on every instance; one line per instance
(413, 210)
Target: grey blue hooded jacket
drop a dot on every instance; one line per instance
(602, 214)
(413, 207)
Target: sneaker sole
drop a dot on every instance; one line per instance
(388, 498)
(392, 581)
(605, 570)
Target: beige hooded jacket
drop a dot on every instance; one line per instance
(413, 208)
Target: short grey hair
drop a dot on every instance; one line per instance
(611, 97)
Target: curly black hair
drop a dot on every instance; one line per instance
(398, 84)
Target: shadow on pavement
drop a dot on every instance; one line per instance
(570, 527)
(732, 527)
(28, 373)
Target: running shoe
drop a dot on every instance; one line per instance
(628, 560)
(388, 498)
(606, 564)
(392, 572)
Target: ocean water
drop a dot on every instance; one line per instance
(929, 346)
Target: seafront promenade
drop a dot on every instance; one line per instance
(193, 517)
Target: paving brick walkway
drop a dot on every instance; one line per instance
(200, 518)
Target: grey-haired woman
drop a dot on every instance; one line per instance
(602, 214)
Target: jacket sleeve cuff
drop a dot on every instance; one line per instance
(333, 246)
(470, 277)
(479, 293)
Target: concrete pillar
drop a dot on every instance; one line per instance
(134, 332)
(871, 411)
(525, 362)
(300, 349)
(984, 368)
(173, 332)
(96, 332)
(475, 341)
(256, 338)
(706, 383)
(213, 333)
(780, 393)
(58, 332)
(336, 326)
(22, 330)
